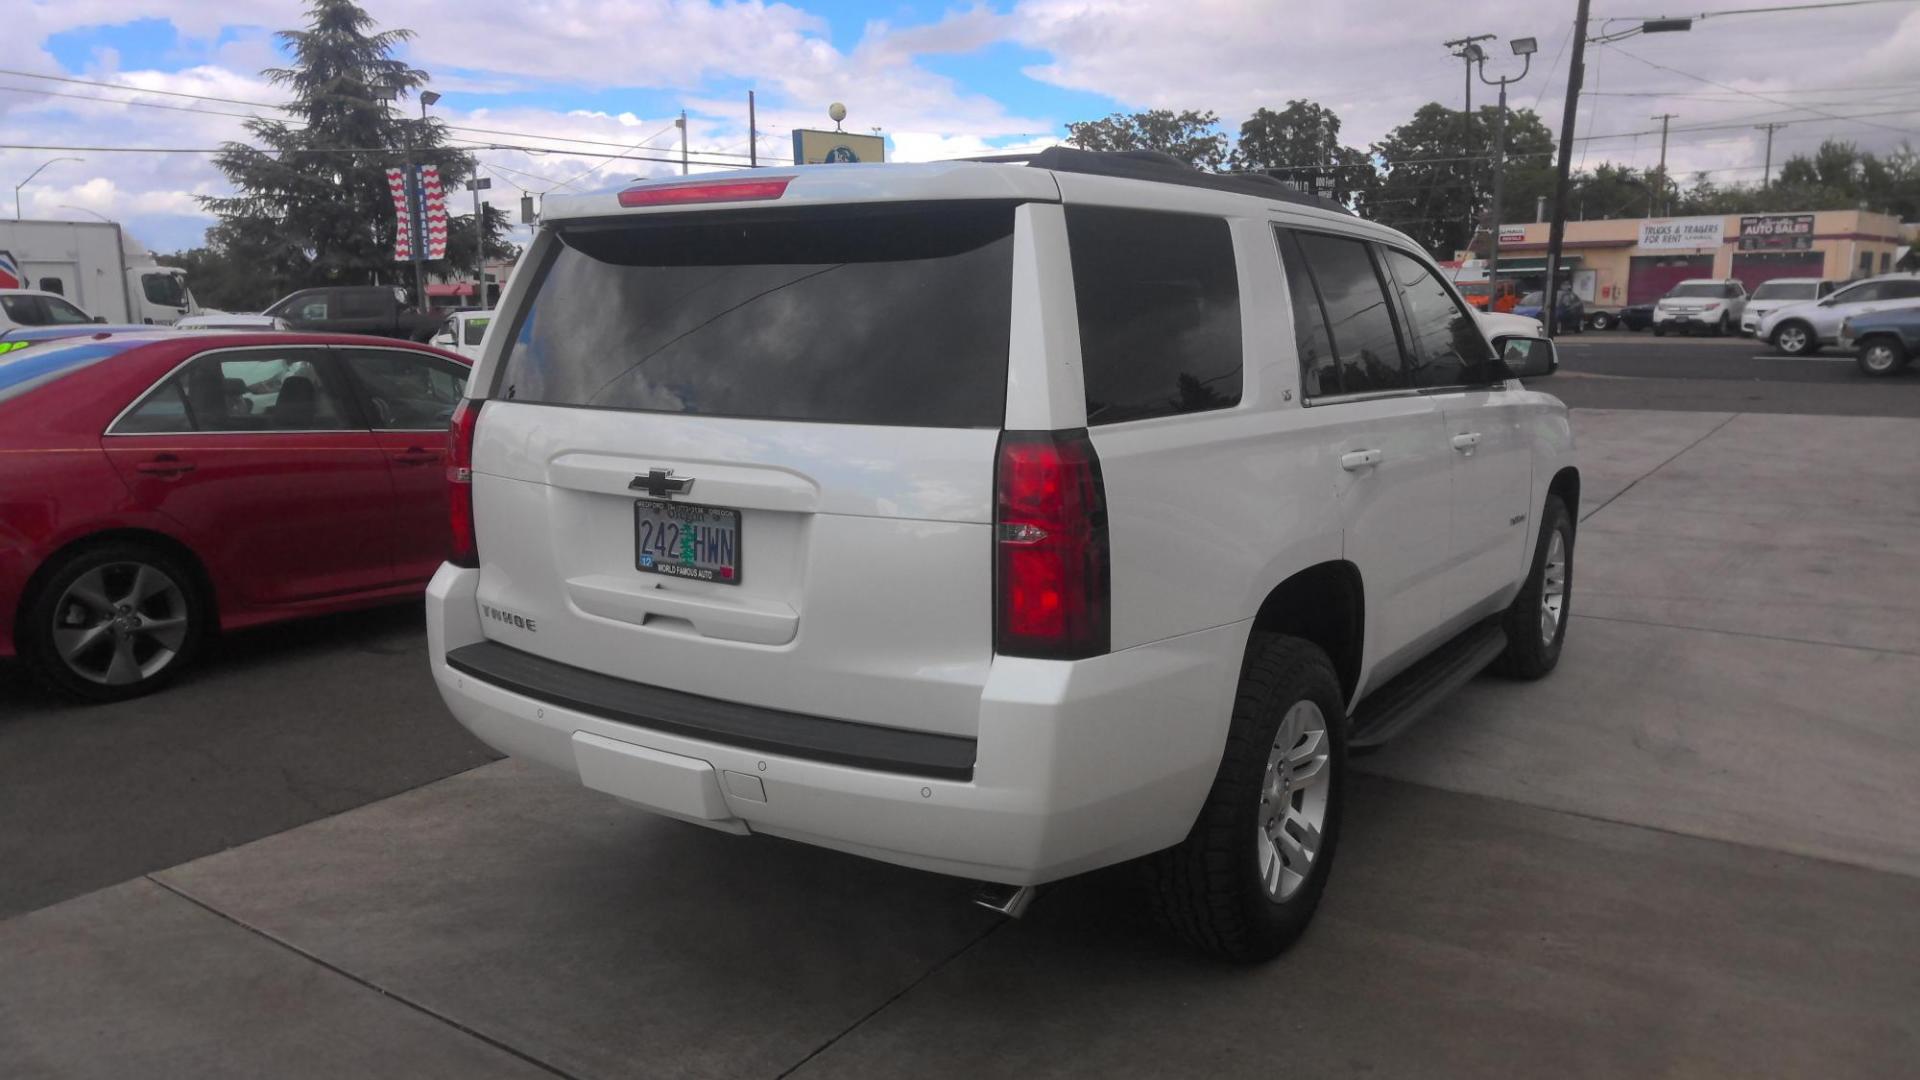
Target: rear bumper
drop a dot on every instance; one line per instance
(1075, 765)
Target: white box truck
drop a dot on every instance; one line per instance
(96, 265)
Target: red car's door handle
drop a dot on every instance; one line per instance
(164, 465)
(414, 455)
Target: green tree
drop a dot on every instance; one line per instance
(1192, 137)
(460, 239)
(312, 199)
(1301, 144)
(1436, 187)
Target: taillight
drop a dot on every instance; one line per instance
(464, 549)
(745, 189)
(1050, 547)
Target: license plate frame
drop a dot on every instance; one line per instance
(650, 562)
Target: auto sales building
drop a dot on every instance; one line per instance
(1636, 260)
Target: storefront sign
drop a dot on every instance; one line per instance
(1513, 234)
(1776, 232)
(1682, 233)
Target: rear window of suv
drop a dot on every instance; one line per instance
(1159, 307)
(860, 315)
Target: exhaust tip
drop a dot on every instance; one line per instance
(1011, 901)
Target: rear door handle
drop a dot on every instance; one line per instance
(414, 455)
(164, 465)
(1466, 441)
(1355, 460)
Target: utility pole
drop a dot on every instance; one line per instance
(753, 136)
(1522, 47)
(477, 185)
(1557, 232)
(1470, 51)
(1666, 201)
(682, 125)
(1766, 178)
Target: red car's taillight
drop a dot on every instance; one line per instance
(1051, 561)
(465, 550)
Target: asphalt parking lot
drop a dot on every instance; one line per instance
(1694, 850)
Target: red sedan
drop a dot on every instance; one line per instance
(158, 485)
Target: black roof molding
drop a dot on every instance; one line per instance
(1156, 167)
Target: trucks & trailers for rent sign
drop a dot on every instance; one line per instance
(1682, 233)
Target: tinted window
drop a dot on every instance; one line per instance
(61, 313)
(861, 315)
(1318, 371)
(1786, 290)
(1900, 290)
(1358, 316)
(53, 285)
(358, 304)
(1159, 306)
(164, 410)
(163, 289)
(475, 331)
(406, 391)
(1446, 344)
(1862, 293)
(255, 390)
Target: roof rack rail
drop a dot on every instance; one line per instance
(1159, 168)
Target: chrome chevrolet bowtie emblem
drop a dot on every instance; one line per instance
(661, 484)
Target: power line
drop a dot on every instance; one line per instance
(1751, 93)
(1765, 10)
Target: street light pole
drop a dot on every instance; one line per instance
(1470, 51)
(477, 185)
(1557, 232)
(29, 180)
(1524, 48)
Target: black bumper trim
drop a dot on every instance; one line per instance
(816, 738)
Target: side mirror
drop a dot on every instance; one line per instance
(1527, 357)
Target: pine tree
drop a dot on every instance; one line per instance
(316, 183)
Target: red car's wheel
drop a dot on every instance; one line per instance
(113, 621)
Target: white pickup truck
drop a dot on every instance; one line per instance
(1003, 519)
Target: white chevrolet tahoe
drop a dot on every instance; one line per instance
(1006, 519)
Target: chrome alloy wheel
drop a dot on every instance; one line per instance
(1553, 587)
(1880, 358)
(1792, 339)
(120, 623)
(1293, 800)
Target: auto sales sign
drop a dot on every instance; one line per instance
(1776, 232)
(1678, 233)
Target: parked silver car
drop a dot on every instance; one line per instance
(1771, 296)
(1803, 328)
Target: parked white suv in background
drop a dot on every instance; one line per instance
(1801, 329)
(1711, 305)
(1005, 520)
(1771, 296)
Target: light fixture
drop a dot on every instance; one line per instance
(428, 97)
(1474, 53)
(1525, 46)
(1665, 26)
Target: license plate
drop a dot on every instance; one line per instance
(687, 541)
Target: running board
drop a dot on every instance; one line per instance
(1409, 695)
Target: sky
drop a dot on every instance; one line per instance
(520, 79)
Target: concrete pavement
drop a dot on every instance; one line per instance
(1692, 851)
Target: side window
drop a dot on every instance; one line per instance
(26, 310)
(406, 391)
(1900, 290)
(1319, 373)
(53, 285)
(163, 412)
(1446, 345)
(360, 304)
(1863, 294)
(61, 313)
(311, 307)
(1159, 305)
(261, 390)
(1359, 317)
(475, 332)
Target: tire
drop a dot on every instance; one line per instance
(113, 621)
(1720, 328)
(1536, 621)
(1227, 888)
(1659, 331)
(1795, 339)
(1602, 321)
(1881, 356)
